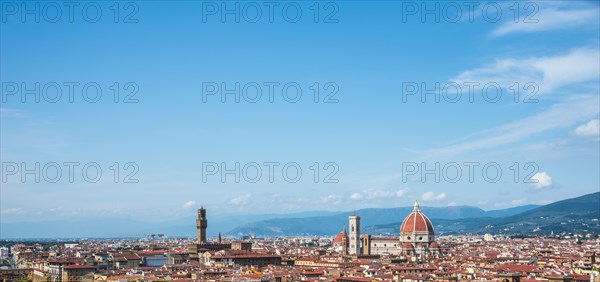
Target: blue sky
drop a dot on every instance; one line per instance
(370, 134)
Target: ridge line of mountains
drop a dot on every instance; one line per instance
(577, 215)
(580, 215)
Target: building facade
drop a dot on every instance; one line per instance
(416, 240)
(354, 244)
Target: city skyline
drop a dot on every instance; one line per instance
(280, 141)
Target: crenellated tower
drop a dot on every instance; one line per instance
(201, 224)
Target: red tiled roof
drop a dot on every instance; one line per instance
(77, 266)
(416, 222)
(358, 279)
(338, 239)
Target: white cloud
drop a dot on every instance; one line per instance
(542, 180)
(591, 128)
(549, 73)
(371, 194)
(579, 68)
(188, 204)
(56, 209)
(518, 202)
(427, 196)
(401, 192)
(430, 196)
(549, 18)
(560, 115)
(12, 211)
(331, 199)
(240, 201)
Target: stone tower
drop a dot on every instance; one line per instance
(344, 244)
(201, 224)
(354, 244)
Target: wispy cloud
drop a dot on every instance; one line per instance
(331, 199)
(518, 202)
(12, 211)
(241, 201)
(563, 114)
(373, 194)
(549, 17)
(549, 73)
(188, 204)
(11, 113)
(431, 196)
(370, 194)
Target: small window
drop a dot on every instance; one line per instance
(407, 237)
(420, 238)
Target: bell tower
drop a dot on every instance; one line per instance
(354, 244)
(201, 224)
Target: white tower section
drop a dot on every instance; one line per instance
(354, 248)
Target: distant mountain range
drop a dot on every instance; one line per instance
(332, 224)
(580, 215)
(577, 215)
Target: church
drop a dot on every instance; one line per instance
(416, 240)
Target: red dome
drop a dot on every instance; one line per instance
(338, 239)
(416, 222)
(407, 246)
(433, 245)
